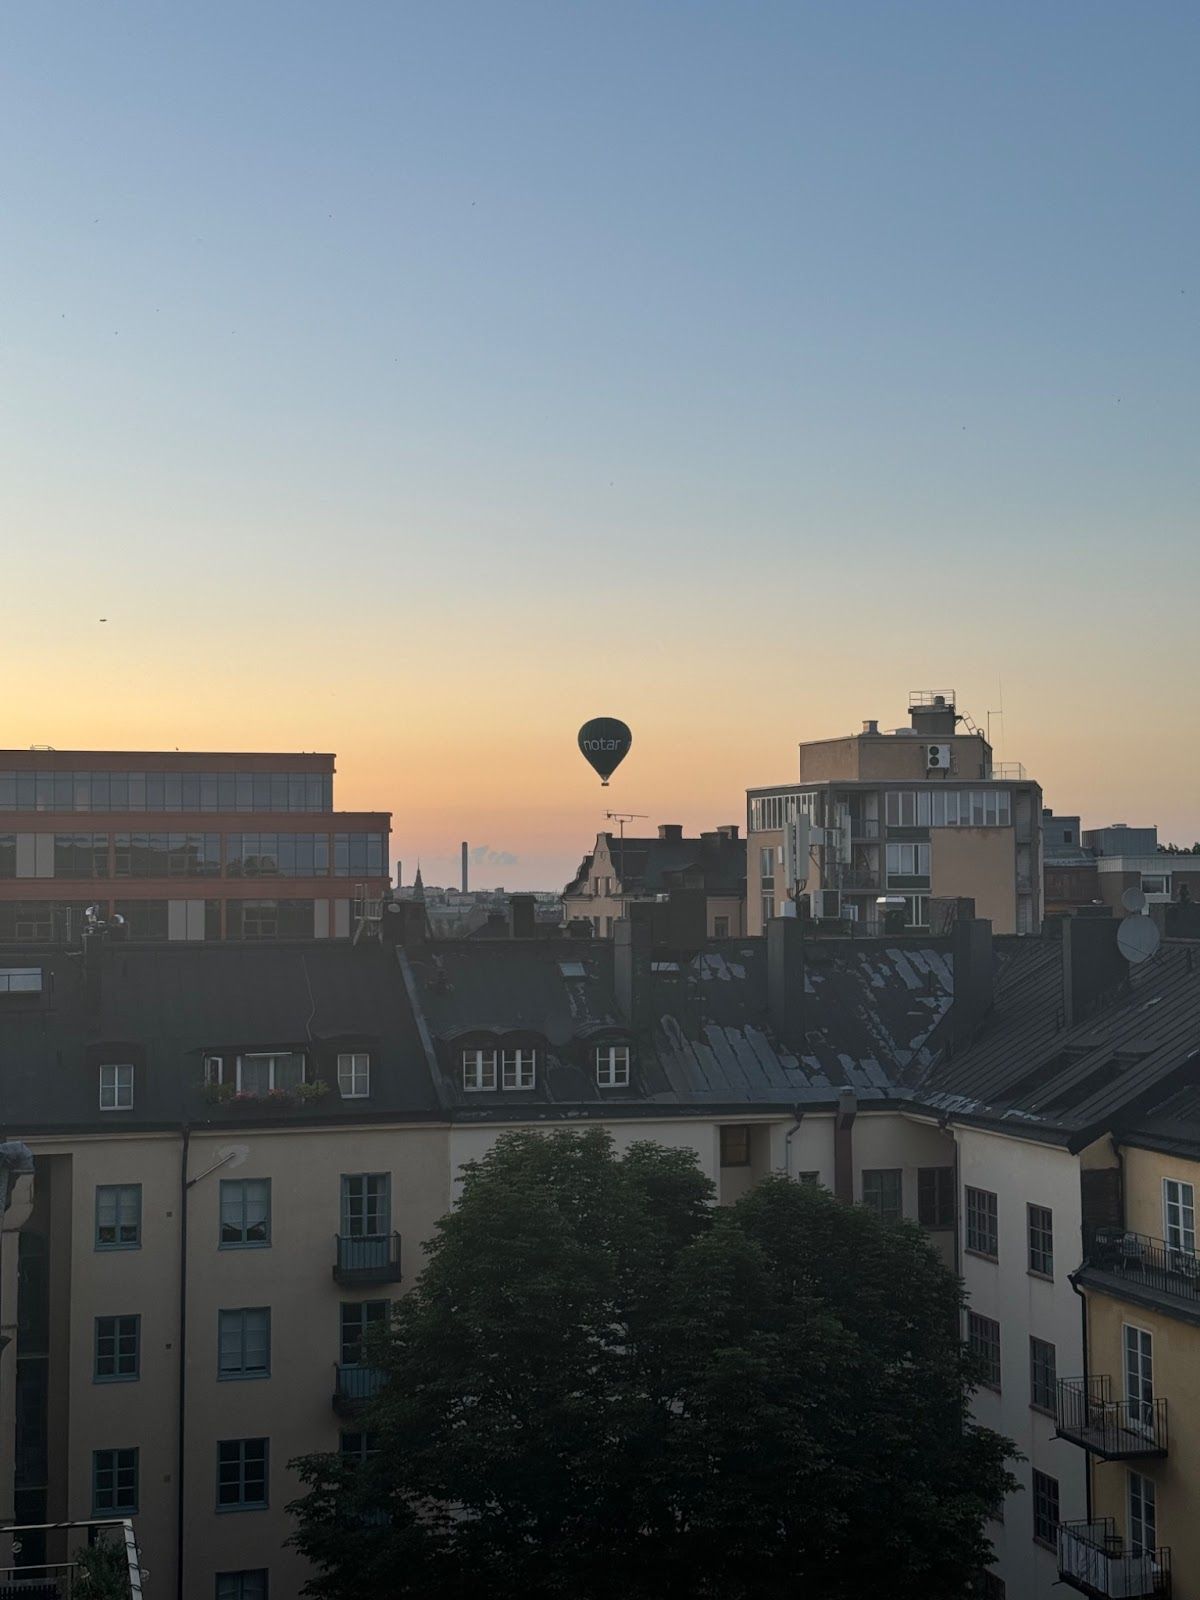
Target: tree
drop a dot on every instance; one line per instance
(102, 1570)
(602, 1385)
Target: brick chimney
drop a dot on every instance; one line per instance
(522, 918)
(671, 830)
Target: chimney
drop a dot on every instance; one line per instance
(522, 918)
(870, 725)
(671, 830)
(729, 830)
(404, 923)
(843, 1146)
(971, 954)
(1093, 967)
(687, 919)
(785, 980)
(465, 874)
(631, 958)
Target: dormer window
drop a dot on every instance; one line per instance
(258, 1072)
(479, 1069)
(354, 1074)
(612, 1066)
(520, 1069)
(116, 1086)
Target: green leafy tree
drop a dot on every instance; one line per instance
(102, 1570)
(603, 1386)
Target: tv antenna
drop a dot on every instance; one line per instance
(622, 817)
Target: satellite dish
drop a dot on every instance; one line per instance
(1138, 939)
(605, 743)
(1134, 900)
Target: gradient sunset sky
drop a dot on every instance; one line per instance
(416, 380)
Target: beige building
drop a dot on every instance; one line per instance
(918, 814)
(709, 872)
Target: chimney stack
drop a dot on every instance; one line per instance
(670, 830)
(971, 954)
(1093, 967)
(870, 725)
(522, 917)
(631, 960)
(785, 980)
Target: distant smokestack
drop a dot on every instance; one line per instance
(464, 867)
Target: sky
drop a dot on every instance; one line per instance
(417, 380)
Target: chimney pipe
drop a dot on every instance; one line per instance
(843, 1146)
(785, 979)
(1093, 967)
(631, 958)
(971, 954)
(464, 867)
(871, 725)
(522, 916)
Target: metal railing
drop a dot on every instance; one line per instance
(1141, 1259)
(1008, 771)
(367, 1258)
(66, 1580)
(1087, 1414)
(354, 1386)
(853, 878)
(1093, 1559)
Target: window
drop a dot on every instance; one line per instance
(720, 927)
(881, 1192)
(735, 1146)
(1041, 1240)
(358, 1447)
(144, 919)
(1157, 883)
(916, 910)
(1179, 1216)
(277, 855)
(241, 1474)
(358, 1316)
(518, 1068)
(1045, 1508)
(354, 1075)
(479, 1069)
(116, 1087)
(359, 854)
(942, 807)
(20, 980)
(366, 1205)
(114, 1483)
(1143, 1515)
(245, 1213)
(771, 811)
(81, 855)
(267, 1070)
(269, 919)
(242, 1585)
(907, 861)
(244, 1343)
(811, 1180)
(1043, 1380)
(935, 1197)
(983, 1336)
(1139, 1376)
(118, 1216)
(116, 1355)
(768, 907)
(612, 1066)
(983, 1235)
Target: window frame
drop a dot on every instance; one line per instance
(354, 1066)
(517, 1074)
(118, 1084)
(1040, 1256)
(242, 1374)
(1138, 1502)
(936, 1211)
(241, 1592)
(382, 1312)
(1184, 1229)
(727, 1139)
(378, 1204)
(1047, 1390)
(243, 1243)
(118, 1508)
(972, 1212)
(612, 1072)
(877, 1175)
(984, 1339)
(1040, 1494)
(478, 1077)
(240, 1461)
(116, 1335)
(118, 1189)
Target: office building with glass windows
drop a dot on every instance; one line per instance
(914, 815)
(191, 847)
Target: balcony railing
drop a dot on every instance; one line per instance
(1092, 1558)
(1115, 1430)
(1144, 1262)
(68, 1580)
(367, 1258)
(858, 878)
(354, 1387)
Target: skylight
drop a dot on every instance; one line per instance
(20, 980)
(572, 969)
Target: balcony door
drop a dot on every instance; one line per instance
(1143, 1516)
(366, 1218)
(1139, 1378)
(1179, 1216)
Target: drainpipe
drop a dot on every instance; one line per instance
(181, 1422)
(787, 1142)
(1072, 1279)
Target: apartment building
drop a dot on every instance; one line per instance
(919, 814)
(181, 846)
(1130, 859)
(619, 873)
(239, 1150)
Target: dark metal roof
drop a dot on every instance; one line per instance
(651, 866)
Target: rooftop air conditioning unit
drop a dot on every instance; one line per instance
(937, 757)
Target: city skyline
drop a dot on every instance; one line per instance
(417, 383)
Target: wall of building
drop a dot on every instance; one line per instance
(980, 863)
(1020, 1173)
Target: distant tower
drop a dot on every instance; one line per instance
(419, 886)
(464, 867)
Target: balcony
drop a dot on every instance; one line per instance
(1114, 1430)
(367, 1258)
(854, 879)
(1092, 1559)
(354, 1387)
(1143, 1268)
(866, 828)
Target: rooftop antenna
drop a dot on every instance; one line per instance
(622, 817)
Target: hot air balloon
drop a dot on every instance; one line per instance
(605, 743)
